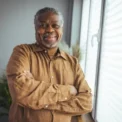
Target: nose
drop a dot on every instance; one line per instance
(49, 28)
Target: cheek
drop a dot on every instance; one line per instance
(40, 31)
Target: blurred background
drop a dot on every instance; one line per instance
(95, 25)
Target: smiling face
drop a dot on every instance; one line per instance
(49, 29)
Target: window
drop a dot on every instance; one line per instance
(90, 27)
(109, 102)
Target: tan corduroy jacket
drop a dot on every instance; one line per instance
(45, 97)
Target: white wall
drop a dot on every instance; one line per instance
(16, 23)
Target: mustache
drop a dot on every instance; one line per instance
(48, 34)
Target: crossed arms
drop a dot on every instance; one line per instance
(27, 91)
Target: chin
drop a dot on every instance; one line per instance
(50, 45)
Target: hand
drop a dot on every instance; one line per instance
(73, 90)
(27, 74)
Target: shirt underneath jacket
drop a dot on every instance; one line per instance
(45, 97)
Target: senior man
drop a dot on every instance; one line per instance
(45, 83)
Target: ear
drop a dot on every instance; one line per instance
(38, 31)
(62, 29)
(37, 36)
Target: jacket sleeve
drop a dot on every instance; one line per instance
(26, 91)
(79, 104)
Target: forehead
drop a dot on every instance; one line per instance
(49, 16)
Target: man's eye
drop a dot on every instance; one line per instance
(56, 26)
(42, 25)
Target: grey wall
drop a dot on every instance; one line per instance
(76, 22)
(16, 23)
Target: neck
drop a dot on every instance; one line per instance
(51, 50)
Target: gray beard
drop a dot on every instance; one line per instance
(49, 45)
(40, 40)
